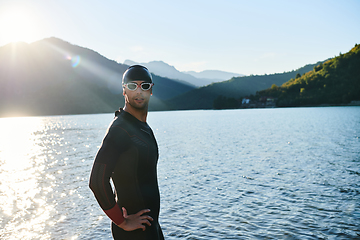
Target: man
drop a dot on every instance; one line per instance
(128, 155)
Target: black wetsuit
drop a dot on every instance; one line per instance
(128, 155)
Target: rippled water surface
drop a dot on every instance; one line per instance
(238, 174)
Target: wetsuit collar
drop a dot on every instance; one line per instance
(130, 116)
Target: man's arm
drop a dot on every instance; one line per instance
(101, 187)
(115, 142)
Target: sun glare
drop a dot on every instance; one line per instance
(18, 24)
(21, 167)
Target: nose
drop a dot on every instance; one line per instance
(138, 89)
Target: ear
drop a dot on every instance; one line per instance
(151, 92)
(124, 91)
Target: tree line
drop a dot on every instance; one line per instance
(335, 81)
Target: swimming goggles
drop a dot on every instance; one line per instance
(133, 86)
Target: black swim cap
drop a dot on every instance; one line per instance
(136, 73)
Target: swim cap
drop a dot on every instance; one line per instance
(136, 73)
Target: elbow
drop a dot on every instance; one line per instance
(95, 186)
(91, 185)
(97, 178)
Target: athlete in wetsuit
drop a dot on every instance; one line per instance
(129, 155)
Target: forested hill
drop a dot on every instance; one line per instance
(52, 76)
(203, 98)
(336, 81)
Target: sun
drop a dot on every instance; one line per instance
(18, 24)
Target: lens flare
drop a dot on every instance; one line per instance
(75, 61)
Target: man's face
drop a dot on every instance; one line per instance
(139, 98)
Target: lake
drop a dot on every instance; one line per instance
(281, 173)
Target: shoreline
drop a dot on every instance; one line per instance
(250, 106)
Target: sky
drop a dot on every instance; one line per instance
(246, 37)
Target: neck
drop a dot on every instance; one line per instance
(140, 114)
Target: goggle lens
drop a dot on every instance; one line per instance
(145, 86)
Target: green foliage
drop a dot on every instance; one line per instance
(336, 81)
(274, 86)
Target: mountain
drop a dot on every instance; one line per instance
(214, 74)
(334, 82)
(236, 87)
(165, 70)
(51, 77)
(54, 77)
(194, 78)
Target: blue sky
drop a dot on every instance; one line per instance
(248, 37)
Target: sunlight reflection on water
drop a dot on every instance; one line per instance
(23, 205)
(33, 157)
